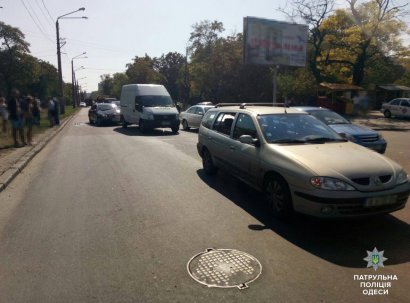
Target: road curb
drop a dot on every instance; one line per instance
(17, 167)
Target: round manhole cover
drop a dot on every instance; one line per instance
(224, 268)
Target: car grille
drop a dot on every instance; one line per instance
(359, 209)
(368, 138)
(164, 117)
(366, 181)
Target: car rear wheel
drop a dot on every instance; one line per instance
(278, 196)
(208, 163)
(123, 123)
(142, 126)
(387, 113)
(185, 125)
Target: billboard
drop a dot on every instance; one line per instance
(270, 42)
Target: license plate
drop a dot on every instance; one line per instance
(379, 201)
(166, 123)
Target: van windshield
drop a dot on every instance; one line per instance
(154, 101)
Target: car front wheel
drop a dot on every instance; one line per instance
(387, 113)
(278, 196)
(185, 125)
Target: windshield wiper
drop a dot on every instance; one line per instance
(288, 141)
(323, 140)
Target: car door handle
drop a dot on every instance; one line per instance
(232, 147)
(210, 138)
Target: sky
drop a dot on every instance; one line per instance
(118, 30)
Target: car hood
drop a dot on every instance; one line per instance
(345, 161)
(352, 129)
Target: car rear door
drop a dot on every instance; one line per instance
(405, 108)
(197, 116)
(244, 158)
(219, 138)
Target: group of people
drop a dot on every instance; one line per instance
(23, 113)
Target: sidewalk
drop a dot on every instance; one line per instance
(13, 160)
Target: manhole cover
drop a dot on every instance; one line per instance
(224, 268)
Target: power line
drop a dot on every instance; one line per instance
(32, 18)
(35, 15)
(44, 14)
(45, 6)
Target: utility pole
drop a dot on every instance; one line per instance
(60, 72)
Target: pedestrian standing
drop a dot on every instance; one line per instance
(51, 109)
(16, 117)
(28, 118)
(36, 113)
(56, 111)
(4, 114)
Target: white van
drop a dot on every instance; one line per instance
(149, 106)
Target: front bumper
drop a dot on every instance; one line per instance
(112, 118)
(333, 204)
(161, 123)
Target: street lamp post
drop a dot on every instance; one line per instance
(60, 73)
(74, 96)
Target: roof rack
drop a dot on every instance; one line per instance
(243, 105)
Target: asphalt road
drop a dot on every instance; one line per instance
(111, 215)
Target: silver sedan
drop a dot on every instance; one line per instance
(192, 117)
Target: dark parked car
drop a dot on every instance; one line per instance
(101, 113)
(355, 133)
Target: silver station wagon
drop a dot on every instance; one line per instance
(299, 162)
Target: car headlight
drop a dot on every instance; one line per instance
(330, 184)
(150, 117)
(402, 177)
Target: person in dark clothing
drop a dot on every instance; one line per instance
(56, 111)
(16, 117)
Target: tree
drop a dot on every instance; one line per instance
(170, 66)
(313, 13)
(13, 47)
(142, 71)
(358, 35)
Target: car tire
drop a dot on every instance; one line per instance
(123, 123)
(99, 122)
(91, 121)
(175, 128)
(387, 113)
(278, 196)
(208, 164)
(142, 126)
(185, 125)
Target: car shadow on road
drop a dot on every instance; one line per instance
(342, 242)
(135, 131)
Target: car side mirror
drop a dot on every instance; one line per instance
(201, 113)
(246, 139)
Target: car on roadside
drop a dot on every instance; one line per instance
(353, 132)
(104, 113)
(192, 117)
(83, 104)
(299, 162)
(399, 107)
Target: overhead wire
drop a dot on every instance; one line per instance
(32, 18)
(35, 15)
(48, 12)
(44, 14)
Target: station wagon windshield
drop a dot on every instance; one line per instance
(155, 101)
(296, 129)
